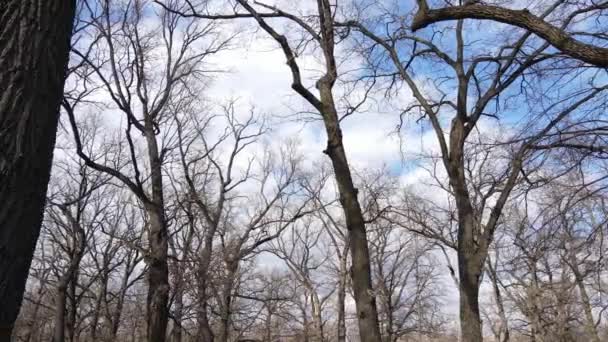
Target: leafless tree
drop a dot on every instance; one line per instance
(475, 80)
(321, 31)
(141, 86)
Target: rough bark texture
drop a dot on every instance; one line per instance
(557, 37)
(158, 273)
(158, 277)
(34, 47)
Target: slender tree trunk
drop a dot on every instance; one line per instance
(367, 314)
(268, 325)
(341, 300)
(589, 320)
(97, 309)
(176, 333)
(586, 303)
(68, 283)
(317, 316)
(73, 306)
(34, 47)
(59, 321)
(503, 333)
(205, 334)
(33, 324)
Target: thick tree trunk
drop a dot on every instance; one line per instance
(470, 322)
(158, 277)
(158, 273)
(34, 47)
(367, 314)
(469, 270)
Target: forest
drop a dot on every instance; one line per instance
(303, 171)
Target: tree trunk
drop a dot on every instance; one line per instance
(205, 334)
(469, 270)
(268, 324)
(158, 274)
(176, 332)
(73, 306)
(59, 321)
(34, 47)
(226, 310)
(316, 316)
(341, 300)
(503, 333)
(586, 303)
(97, 310)
(470, 322)
(367, 314)
(158, 277)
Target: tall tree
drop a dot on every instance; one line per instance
(142, 60)
(34, 49)
(475, 81)
(322, 31)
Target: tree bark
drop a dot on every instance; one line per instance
(158, 276)
(158, 273)
(470, 322)
(59, 328)
(34, 49)
(226, 310)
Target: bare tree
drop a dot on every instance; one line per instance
(141, 88)
(466, 99)
(73, 213)
(321, 31)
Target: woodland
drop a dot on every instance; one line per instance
(315, 170)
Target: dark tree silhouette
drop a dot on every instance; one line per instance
(34, 46)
